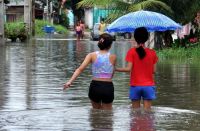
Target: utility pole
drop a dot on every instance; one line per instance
(28, 16)
(47, 4)
(33, 17)
(1, 22)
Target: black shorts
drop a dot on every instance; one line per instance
(101, 91)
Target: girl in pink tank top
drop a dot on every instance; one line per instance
(101, 90)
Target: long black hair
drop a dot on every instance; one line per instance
(105, 41)
(141, 36)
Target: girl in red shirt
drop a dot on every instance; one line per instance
(141, 65)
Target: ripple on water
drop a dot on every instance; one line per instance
(85, 118)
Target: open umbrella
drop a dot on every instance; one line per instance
(153, 21)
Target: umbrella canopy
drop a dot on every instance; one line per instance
(153, 21)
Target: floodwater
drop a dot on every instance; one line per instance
(31, 96)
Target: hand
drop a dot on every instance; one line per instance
(67, 85)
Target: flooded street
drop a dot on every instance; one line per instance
(31, 96)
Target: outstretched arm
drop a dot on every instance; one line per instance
(88, 60)
(125, 69)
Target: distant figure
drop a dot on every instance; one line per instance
(141, 65)
(78, 31)
(82, 28)
(101, 90)
(102, 27)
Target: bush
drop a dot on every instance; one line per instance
(186, 53)
(14, 30)
(39, 25)
(60, 29)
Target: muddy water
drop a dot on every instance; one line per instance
(31, 95)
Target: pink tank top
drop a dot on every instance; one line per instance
(102, 67)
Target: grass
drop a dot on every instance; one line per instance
(39, 24)
(180, 53)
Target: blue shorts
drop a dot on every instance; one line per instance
(142, 92)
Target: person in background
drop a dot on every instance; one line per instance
(78, 31)
(102, 27)
(82, 28)
(101, 90)
(141, 65)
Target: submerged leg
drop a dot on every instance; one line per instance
(106, 106)
(147, 104)
(96, 105)
(135, 103)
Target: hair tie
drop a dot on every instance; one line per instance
(101, 40)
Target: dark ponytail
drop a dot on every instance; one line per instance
(141, 52)
(141, 36)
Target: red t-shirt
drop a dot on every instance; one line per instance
(142, 69)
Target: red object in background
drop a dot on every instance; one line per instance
(193, 40)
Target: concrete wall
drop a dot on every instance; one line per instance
(1, 22)
(89, 18)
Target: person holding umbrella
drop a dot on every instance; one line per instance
(141, 65)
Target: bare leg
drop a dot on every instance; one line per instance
(136, 104)
(95, 105)
(78, 37)
(147, 104)
(82, 35)
(106, 106)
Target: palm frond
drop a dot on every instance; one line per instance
(95, 3)
(120, 5)
(153, 5)
(114, 15)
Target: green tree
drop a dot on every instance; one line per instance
(184, 10)
(71, 4)
(78, 12)
(119, 7)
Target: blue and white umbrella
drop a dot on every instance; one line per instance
(153, 21)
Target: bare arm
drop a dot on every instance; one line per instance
(113, 61)
(125, 69)
(154, 68)
(79, 70)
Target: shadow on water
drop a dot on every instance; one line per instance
(31, 96)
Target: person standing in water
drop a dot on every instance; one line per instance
(141, 65)
(82, 28)
(78, 31)
(101, 90)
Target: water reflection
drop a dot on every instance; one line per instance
(177, 82)
(142, 121)
(101, 120)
